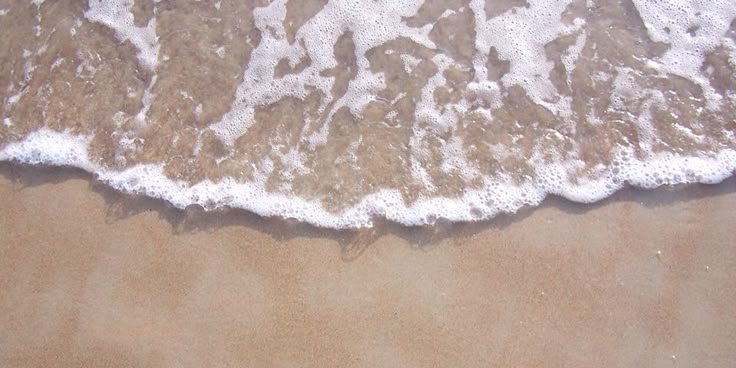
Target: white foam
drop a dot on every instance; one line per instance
(28, 69)
(371, 23)
(692, 29)
(48, 147)
(571, 57)
(496, 196)
(117, 15)
(519, 36)
(147, 101)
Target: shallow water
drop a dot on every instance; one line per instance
(335, 112)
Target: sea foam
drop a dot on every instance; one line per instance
(339, 112)
(63, 149)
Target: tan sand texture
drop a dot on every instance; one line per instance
(93, 278)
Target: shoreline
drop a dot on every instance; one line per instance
(194, 217)
(92, 276)
(494, 198)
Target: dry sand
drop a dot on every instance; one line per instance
(90, 277)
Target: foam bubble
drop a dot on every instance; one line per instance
(370, 23)
(496, 196)
(519, 36)
(446, 99)
(691, 29)
(117, 15)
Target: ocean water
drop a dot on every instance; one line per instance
(343, 111)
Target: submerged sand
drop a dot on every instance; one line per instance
(415, 110)
(90, 277)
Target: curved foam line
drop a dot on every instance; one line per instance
(63, 149)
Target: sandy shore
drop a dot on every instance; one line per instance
(89, 277)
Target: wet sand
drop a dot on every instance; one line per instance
(90, 277)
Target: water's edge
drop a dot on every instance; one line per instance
(46, 147)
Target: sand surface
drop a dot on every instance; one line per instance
(90, 277)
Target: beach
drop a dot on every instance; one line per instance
(92, 277)
(368, 183)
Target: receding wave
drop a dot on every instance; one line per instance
(338, 112)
